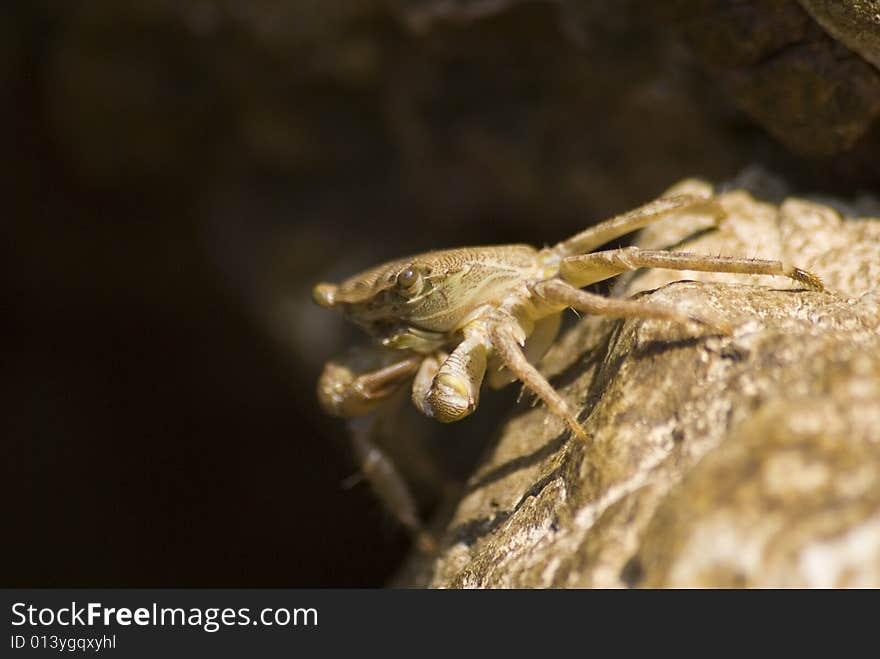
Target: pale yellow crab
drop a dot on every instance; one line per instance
(447, 318)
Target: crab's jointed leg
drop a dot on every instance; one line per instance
(558, 292)
(341, 392)
(538, 342)
(503, 335)
(586, 269)
(596, 236)
(385, 480)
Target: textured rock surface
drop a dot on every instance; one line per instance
(815, 94)
(712, 461)
(855, 22)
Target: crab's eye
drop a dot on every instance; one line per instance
(409, 282)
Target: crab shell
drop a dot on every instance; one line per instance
(452, 285)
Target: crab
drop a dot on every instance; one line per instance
(450, 319)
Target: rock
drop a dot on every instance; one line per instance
(806, 89)
(751, 460)
(855, 23)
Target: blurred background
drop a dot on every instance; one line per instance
(178, 174)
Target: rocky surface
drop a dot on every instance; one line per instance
(751, 460)
(814, 93)
(855, 22)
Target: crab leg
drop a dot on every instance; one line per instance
(587, 269)
(385, 480)
(342, 393)
(595, 236)
(507, 347)
(563, 294)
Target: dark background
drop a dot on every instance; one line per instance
(178, 174)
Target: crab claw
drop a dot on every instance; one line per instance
(451, 398)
